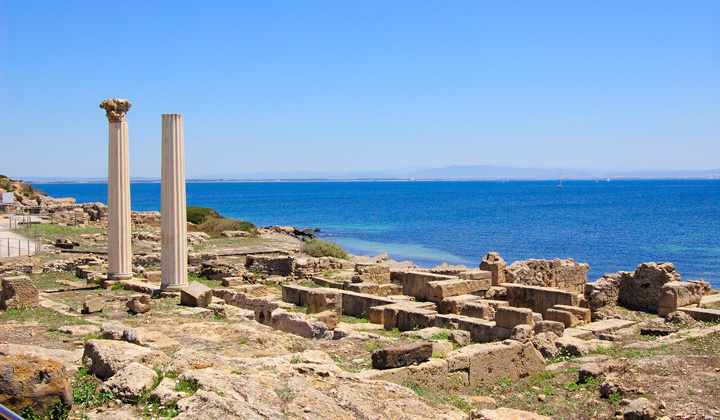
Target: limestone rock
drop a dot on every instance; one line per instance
(589, 371)
(324, 300)
(165, 392)
(119, 414)
(401, 356)
(640, 409)
(79, 330)
(105, 358)
(642, 290)
(299, 324)
(493, 263)
(92, 306)
(130, 382)
(33, 380)
(522, 333)
(330, 318)
(18, 292)
(460, 337)
(505, 414)
(678, 317)
(139, 304)
(545, 343)
(604, 292)
(196, 294)
(550, 326)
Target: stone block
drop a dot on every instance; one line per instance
(477, 310)
(442, 289)
(368, 288)
(401, 356)
(299, 324)
(330, 318)
(414, 283)
(506, 414)
(522, 333)
(131, 382)
(409, 318)
(452, 305)
(705, 315)
(550, 326)
(493, 263)
(18, 292)
(232, 281)
(477, 274)
(92, 306)
(488, 363)
(563, 274)
(567, 318)
(642, 290)
(501, 333)
(273, 265)
(139, 304)
(479, 329)
(154, 276)
(359, 304)
(196, 294)
(582, 314)
(373, 273)
(677, 294)
(377, 315)
(320, 300)
(509, 317)
(254, 290)
(537, 298)
(297, 295)
(389, 289)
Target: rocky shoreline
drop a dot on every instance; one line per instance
(267, 331)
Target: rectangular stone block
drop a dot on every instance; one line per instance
(582, 314)
(297, 295)
(359, 304)
(368, 288)
(550, 326)
(704, 315)
(508, 317)
(320, 300)
(414, 283)
(676, 294)
(389, 289)
(477, 310)
(452, 305)
(322, 281)
(501, 333)
(232, 281)
(153, 276)
(439, 290)
(196, 294)
(479, 329)
(373, 273)
(537, 298)
(477, 274)
(558, 315)
(412, 318)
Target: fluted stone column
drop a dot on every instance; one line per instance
(119, 224)
(173, 212)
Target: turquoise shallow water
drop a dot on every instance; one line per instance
(610, 225)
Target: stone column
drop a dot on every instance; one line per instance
(119, 224)
(173, 212)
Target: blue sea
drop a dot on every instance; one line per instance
(611, 226)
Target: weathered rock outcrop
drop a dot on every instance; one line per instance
(105, 358)
(36, 381)
(643, 289)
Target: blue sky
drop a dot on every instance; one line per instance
(337, 86)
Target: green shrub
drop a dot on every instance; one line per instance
(320, 248)
(215, 226)
(199, 215)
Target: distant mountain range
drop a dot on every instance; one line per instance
(456, 172)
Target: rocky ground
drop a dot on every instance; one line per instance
(219, 362)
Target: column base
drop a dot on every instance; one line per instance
(119, 276)
(172, 287)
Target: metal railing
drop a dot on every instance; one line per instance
(14, 247)
(7, 414)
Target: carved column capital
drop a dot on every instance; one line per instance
(116, 109)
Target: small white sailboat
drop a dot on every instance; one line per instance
(559, 185)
